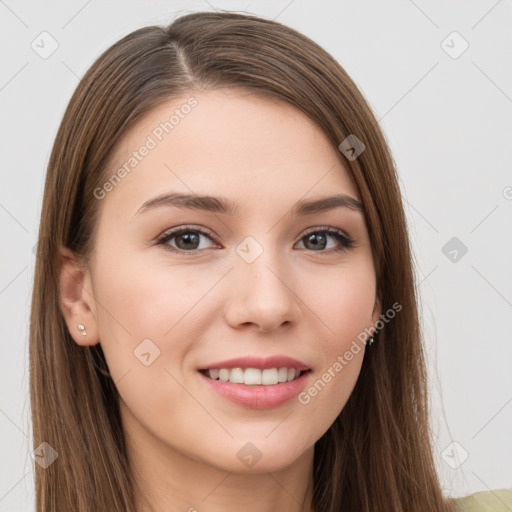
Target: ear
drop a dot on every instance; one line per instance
(76, 299)
(377, 309)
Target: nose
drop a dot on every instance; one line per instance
(261, 295)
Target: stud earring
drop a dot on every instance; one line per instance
(370, 341)
(82, 330)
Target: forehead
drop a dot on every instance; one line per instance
(230, 143)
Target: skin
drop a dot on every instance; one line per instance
(210, 304)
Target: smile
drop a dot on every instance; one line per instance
(253, 376)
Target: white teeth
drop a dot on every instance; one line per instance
(254, 376)
(237, 376)
(269, 376)
(282, 374)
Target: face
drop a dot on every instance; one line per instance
(177, 286)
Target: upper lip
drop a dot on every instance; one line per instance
(259, 362)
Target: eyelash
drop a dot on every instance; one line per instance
(345, 243)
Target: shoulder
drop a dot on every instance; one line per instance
(499, 500)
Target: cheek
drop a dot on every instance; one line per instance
(147, 320)
(344, 303)
(138, 302)
(343, 300)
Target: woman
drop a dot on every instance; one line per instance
(224, 312)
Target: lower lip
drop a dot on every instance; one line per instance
(258, 396)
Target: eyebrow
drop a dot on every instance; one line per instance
(225, 206)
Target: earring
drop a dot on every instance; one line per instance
(82, 330)
(370, 341)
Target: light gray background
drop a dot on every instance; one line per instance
(449, 126)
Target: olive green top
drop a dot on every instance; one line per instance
(499, 500)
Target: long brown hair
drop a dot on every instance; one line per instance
(377, 455)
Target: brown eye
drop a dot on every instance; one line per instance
(185, 240)
(318, 240)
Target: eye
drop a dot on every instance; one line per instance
(187, 239)
(317, 240)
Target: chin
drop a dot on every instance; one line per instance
(260, 457)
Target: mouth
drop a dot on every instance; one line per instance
(257, 382)
(254, 376)
(256, 388)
